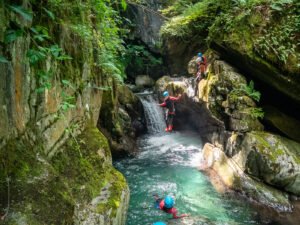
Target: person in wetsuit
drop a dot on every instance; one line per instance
(170, 113)
(201, 70)
(167, 205)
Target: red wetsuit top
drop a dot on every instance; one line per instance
(169, 103)
(172, 210)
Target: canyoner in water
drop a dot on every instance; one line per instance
(159, 223)
(201, 70)
(167, 205)
(170, 112)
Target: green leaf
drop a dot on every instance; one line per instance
(12, 35)
(40, 37)
(64, 57)
(66, 82)
(26, 14)
(3, 59)
(276, 7)
(50, 14)
(35, 56)
(34, 30)
(124, 4)
(55, 50)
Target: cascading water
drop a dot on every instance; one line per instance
(153, 113)
(167, 165)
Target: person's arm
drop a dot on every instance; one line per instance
(174, 213)
(163, 104)
(175, 98)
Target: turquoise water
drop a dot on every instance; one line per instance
(167, 164)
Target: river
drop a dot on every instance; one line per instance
(167, 165)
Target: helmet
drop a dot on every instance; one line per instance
(199, 54)
(166, 93)
(159, 223)
(169, 202)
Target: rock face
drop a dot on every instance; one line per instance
(223, 113)
(233, 177)
(121, 119)
(189, 113)
(223, 92)
(284, 123)
(147, 22)
(56, 162)
(271, 158)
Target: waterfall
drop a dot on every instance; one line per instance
(153, 113)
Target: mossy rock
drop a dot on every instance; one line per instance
(234, 178)
(274, 159)
(47, 191)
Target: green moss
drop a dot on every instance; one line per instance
(268, 149)
(46, 192)
(117, 186)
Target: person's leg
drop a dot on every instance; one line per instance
(196, 85)
(170, 127)
(167, 122)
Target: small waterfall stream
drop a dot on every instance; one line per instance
(153, 113)
(167, 165)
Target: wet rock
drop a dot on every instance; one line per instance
(234, 178)
(121, 120)
(189, 114)
(271, 158)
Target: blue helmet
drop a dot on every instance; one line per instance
(166, 93)
(199, 54)
(169, 202)
(159, 223)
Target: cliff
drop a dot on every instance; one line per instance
(57, 66)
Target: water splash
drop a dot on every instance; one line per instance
(153, 114)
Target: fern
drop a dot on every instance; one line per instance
(248, 90)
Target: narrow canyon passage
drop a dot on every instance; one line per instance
(167, 164)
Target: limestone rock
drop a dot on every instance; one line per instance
(234, 178)
(221, 91)
(271, 158)
(188, 112)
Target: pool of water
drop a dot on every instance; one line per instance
(167, 165)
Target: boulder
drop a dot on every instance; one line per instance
(272, 158)
(144, 81)
(189, 113)
(226, 100)
(78, 185)
(233, 177)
